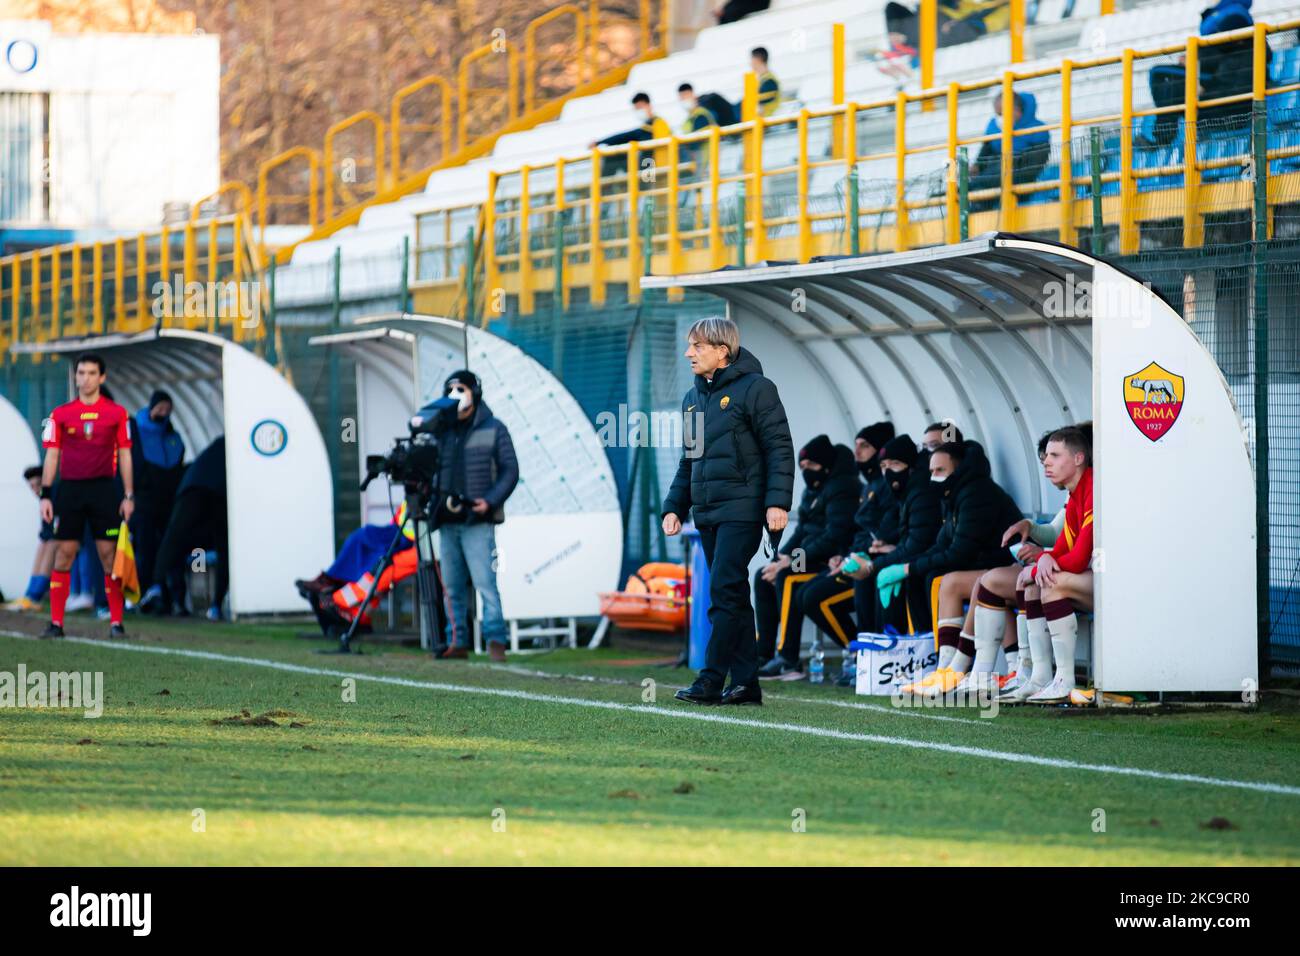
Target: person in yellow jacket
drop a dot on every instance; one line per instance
(769, 87)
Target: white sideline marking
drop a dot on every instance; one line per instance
(767, 695)
(691, 714)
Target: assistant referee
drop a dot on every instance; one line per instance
(83, 443)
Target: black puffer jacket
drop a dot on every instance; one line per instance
(877, 514)
(919, 517)
(490, 468)
(741, 462)
(976, 513)
(826, 515)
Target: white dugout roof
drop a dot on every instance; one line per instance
(562, 540)
(1010, 337)
(280, 498)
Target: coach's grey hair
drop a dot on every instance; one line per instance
(717, 331)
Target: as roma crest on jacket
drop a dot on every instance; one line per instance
(1154, 398)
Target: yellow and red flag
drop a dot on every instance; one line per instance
(124, 565)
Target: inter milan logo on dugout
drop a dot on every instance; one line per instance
(1153, 397)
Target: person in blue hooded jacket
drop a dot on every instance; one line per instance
(157, 453)
(1224, 69)
(1029, 152)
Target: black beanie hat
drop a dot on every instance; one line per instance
(876, 435)
(465, 377)
(159, 396)
(819, 450)
(901, 449)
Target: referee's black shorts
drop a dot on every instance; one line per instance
(91, 501)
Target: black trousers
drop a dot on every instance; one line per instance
(778, 612)
(198, 519)
(148, 523)
(728, 546)
(828, 601)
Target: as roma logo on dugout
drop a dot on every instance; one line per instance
(1154, 399)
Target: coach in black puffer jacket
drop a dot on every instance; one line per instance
(976, 513)
(745, 461)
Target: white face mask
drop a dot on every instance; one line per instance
(462, 396)
(939, 478)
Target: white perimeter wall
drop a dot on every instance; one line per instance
(134, 121)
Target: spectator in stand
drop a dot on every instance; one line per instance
(824, 530)
(734, 10)
(613, 165)
(703, 111)
(157, 452)
(38, 585)
(1029, 152)
(1224, 69)
(769, 87)
(959, 21)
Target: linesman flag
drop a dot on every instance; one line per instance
(124, 565)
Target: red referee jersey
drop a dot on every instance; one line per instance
(88, 438)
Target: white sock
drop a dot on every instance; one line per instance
(947, 651)
(1013, 660)
(1065, 633)
(1026, 660)
(989, 624)
(1040, 651)
(961, 662)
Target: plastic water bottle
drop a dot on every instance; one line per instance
(849, 667)
(817, 667)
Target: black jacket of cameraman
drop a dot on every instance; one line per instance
(477, 460)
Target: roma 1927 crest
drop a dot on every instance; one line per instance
(1153, 397)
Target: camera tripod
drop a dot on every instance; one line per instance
(420, 512)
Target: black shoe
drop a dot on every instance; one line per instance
(53, 630)
(701, 692)
(743, 694)
(117, 632)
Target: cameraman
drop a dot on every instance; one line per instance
(477, 466)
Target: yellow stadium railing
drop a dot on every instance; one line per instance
(459, 102)
(198, 275)
(740, 194)
(113, 285)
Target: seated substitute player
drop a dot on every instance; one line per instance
(919, 519)
(831, 490)
(976, 511)
(998, 591)
(1061, 579)
(84, 440)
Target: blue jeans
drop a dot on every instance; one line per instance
(468, 564)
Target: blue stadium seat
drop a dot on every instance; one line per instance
(1223, 146)
(1283, 71)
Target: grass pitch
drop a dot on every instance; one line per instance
(557, 759)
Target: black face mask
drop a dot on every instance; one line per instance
(898, 479)
(869, 470)
(814, 479)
